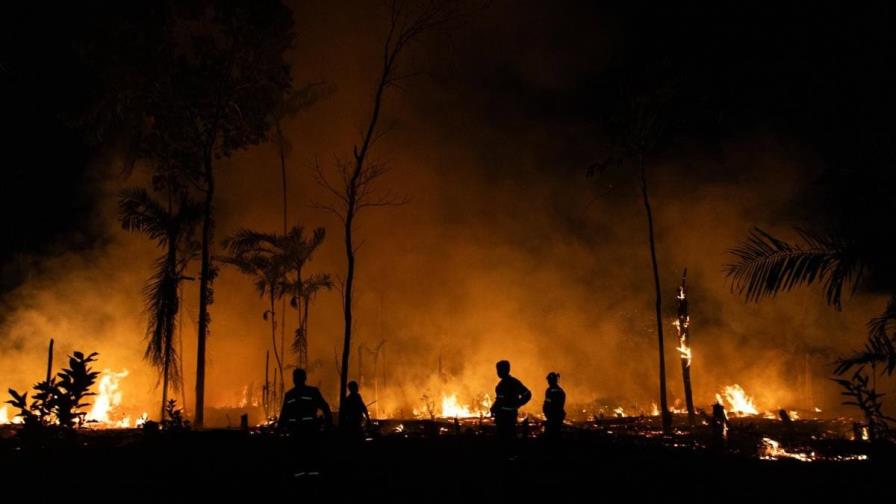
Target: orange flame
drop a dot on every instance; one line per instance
(737, 400)
(108, 399)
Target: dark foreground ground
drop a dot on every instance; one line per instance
(128, 466)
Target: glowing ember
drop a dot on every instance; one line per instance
(771, 450)
(619, 412)
(108, 398)
(737, 401)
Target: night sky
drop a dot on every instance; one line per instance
(818, 77)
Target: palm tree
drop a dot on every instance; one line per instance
(254, 253)
(766, 265)
(296, 251)
(172, 230)
(292, 103)
(282, 258)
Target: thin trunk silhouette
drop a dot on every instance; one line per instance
(356, 189)
(281, 147)
(664, 405)
(205, 280)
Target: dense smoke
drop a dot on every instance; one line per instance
(506, 251)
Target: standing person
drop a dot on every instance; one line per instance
(510, 396)
(355, 412)
(298, 416)
(553, 407)
(719, 427)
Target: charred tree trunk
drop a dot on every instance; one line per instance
(266, 391)
(50, 360)
(684, 346)
(358, 178)
(347, 309)
(360, 156)
(173, 297)
(180, 348)
(664, 406)
(303, 332)
(277, 357)
(204, 289)
(282, 152)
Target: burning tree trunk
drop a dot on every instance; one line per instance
(682, 324)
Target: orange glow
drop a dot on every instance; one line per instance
(737, 401)
(107, 401)
(450, 407)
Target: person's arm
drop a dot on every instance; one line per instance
(525, 395)
(325, 408)
(364, 411)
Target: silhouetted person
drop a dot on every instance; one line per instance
(788, 424)
(719, 427)
(553, 407)
(298, 416)
(510, 395)
(355, 411)
(785, 417)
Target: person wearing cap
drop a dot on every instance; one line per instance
(553, 407)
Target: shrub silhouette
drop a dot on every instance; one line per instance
(59, 401)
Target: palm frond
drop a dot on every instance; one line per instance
(161, 306)
(880, 347)
(766, 265)
(315, 283)
(138, 211)
(247, 241)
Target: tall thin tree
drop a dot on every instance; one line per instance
(227, 75)
(295, 101)
(635, 131)
(356, 188)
